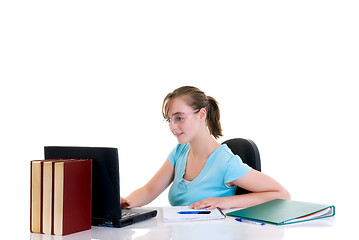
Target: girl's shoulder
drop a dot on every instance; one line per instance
(224, 152)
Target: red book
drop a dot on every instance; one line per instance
(72, 196)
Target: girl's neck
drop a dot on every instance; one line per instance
(203, 146)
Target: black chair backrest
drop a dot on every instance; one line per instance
(247, 150)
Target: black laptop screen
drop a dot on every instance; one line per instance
(105, 176)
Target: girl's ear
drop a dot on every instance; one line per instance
(202, 114)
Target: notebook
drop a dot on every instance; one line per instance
(280, 212)
(106, 207)
(184, 213)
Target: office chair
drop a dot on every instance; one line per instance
(247, 150)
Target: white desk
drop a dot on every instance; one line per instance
(156, 229)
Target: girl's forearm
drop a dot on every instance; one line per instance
(140, 197)
(251, 199)
(240, 201)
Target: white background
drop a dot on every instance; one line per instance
(94, 73)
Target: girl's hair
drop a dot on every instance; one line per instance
(197, 100)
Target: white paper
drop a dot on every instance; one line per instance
(170, 214)
(323, 213)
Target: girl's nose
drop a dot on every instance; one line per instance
(172, 125)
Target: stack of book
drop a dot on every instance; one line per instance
(60, 201)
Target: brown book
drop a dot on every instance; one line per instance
(72, 196)
(36, 196)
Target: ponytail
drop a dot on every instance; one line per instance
(213, 118)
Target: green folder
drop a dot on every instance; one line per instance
(282, 212)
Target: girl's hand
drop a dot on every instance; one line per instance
(212, 203)
(125, 203)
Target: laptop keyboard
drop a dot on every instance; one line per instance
(128, 214)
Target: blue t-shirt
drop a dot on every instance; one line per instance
(221, 167)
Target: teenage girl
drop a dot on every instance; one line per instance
(203, 173)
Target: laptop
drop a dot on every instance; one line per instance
(106, 207)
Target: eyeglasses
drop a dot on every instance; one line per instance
(179, 117)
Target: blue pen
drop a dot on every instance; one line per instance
(250, 221)
(194, 212)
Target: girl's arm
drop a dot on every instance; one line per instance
(146, 194)
(263, 188)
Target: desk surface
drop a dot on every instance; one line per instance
(215, 229)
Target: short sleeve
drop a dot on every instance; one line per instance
(178, 152)
(236, 169)
(172, 156)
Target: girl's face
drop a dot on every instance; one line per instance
(183, 120)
